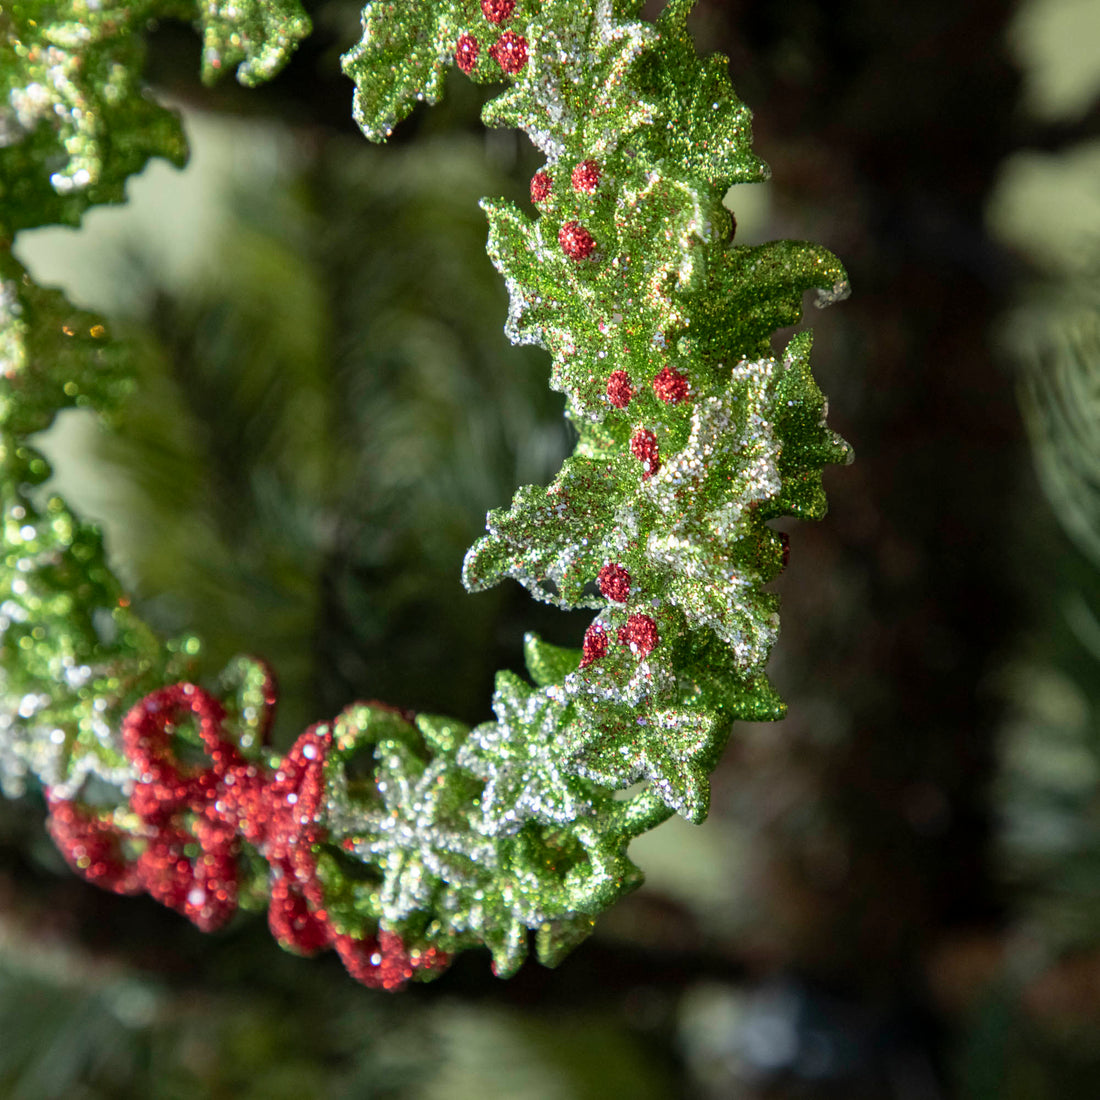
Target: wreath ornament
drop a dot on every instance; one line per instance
(693, 433)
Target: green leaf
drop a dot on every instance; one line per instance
(808, 443)
(709, 135)
(53, 356)
(713, 554)
(399, 61)
(653, 242)
(556, 108)
(507, 941)
(751, 290)
(548, 664)
(75, 121)
(521, 757)
(441, 734)
(673, 749)
(247, 690)
(556, 939)
(258, 36)
(553, 541)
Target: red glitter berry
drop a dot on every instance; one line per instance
(614, 582)
(509, 51)
(643, 446)
(540, 186)
(496, 11)
(594, 645)
(576, 242)
(670, 386)
(586, 176)
(640, 635)
(619, 389)
(466, 52)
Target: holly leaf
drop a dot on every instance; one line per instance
(53, 356)
(751, 290)
(709, 133)
(561, 101)
(808, 443)
(554, 540)
(653, 244)
(548, 664)
(519, 252)
(557, 939)
(258, 36)
(75, 121)
(400, 59)
(714, 553)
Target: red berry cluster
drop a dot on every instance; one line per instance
(670, 386)
(212, 808)
(576, 242)
(509, 51)
(619, 389)
(466, 52)
(497, 11)
(586, 176)
(614, 582)
(643, 446)
(594, 645)
(540, 187)
(640, 634)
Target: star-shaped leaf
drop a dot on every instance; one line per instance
(410, 837)
(521, 757)
(673, 749)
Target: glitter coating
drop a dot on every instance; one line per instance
(541, 187)
(75, 118)
(576, 242)
(619, 389)
(586, 177)
(509, 51)
(449, 837)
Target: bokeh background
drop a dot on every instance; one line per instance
(897, 894)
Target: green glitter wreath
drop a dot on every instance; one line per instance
(693, 434)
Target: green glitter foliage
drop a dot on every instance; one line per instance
(73, 655)
(75, 118)
(693, 433)
(75, 121)
(255, 35)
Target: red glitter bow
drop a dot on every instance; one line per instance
(186, 850)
